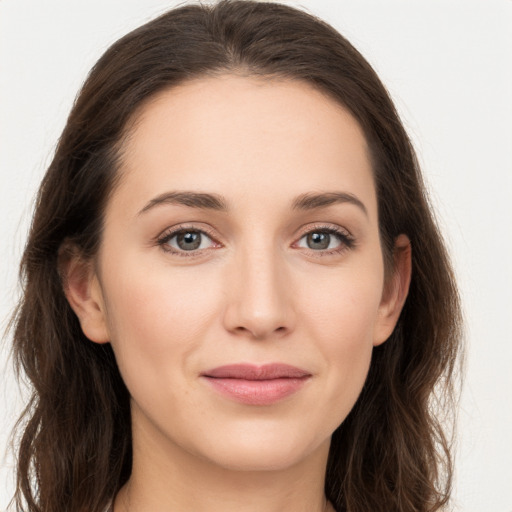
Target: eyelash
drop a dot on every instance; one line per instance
(347, 241)
(168, 235)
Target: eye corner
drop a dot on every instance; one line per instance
(345, 240)
(195, 243)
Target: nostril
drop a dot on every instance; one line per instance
(259, 333)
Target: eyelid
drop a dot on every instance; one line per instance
(347, 240)
(323, 226)
(172, 231)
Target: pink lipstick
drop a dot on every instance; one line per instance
(256, 385)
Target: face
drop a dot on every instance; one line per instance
(240, 279)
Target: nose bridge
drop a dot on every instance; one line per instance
(260, 300)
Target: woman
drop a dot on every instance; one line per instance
(230, 301)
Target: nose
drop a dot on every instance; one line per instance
(260, 293)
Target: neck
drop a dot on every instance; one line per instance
(171, 479)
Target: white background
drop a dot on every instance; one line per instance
(448, 66)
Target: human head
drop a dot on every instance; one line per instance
(259, 40)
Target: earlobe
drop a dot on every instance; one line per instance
(83, 292)
(395, 290)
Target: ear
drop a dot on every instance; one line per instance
(83, 292)
(395, 290)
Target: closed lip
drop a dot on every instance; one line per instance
(256, 384)
(256, 372)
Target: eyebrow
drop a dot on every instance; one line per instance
(313, 201)
(216, 202)
(191, 199)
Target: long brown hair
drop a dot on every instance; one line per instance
(391, 453)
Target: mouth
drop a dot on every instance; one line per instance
(256, 385)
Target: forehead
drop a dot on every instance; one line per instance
(237, 135)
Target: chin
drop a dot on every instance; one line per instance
(263, 451)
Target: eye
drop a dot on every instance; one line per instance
(326, 239)
(319, 241)
(186, 240)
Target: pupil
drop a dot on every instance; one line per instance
(189, 241)
(318, 240)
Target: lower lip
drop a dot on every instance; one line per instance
(257, 392)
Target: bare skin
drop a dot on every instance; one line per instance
(244, 230)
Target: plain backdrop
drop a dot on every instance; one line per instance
(448, 66)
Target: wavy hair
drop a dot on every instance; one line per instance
(391, 453)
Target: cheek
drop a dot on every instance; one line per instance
(156, 316)
(343, 305)
(341, 313)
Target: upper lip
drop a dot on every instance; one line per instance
(256, 372)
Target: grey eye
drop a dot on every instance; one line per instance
(189, 241)
(320, 240)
